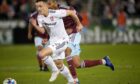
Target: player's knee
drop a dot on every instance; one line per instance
(59, 63)
(41, 55)
(67, 52)
(59, 66)
(39, 48)
(77, 65)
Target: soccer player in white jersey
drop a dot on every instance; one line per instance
(51, 20)
(58, 58)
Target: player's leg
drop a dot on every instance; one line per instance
(45, 56)
(84, 63)
(64, 71)
(38, 57)
(42, 65)
(92, 63)
(74, 39)
(58, 58)
(88, 63)
(53, 48)
(70, 63)
(39, 46)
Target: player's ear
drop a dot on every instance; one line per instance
(70, 12)
(46, 4)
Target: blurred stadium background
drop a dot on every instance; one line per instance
(99, 19)
(100, 31)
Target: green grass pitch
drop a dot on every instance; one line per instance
(19, 62)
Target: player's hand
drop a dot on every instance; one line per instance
(44, 41)
(30, 36)
(79, 27)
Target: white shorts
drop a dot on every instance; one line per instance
(58, 48)
(75, 49)
(57, 56)
(38, 41)
(75, 38)
(74, 44)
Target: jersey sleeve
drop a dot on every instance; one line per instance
(33, 15)
(39, 21)
(59, 13)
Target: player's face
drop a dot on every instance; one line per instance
(41, 7)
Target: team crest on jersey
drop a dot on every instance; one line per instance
(52, 18)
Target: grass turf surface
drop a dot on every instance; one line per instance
(19, 62)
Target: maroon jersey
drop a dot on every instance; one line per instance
(69, 23)
(36, 33)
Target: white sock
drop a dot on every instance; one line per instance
(66, 73)
(76, 79)
(103, 61)
(49, 61)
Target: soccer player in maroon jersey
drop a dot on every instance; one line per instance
(73, 51)
(39, 40)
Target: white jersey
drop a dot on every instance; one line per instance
(54, 25)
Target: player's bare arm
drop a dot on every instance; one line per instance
(30, 27)
(72, 13)
(34, 23)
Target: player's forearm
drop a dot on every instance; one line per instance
(76, 19)
(30, 27)
(39, 29)
(79, 25)
(34, 24)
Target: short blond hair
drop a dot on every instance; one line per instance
(52, 4)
